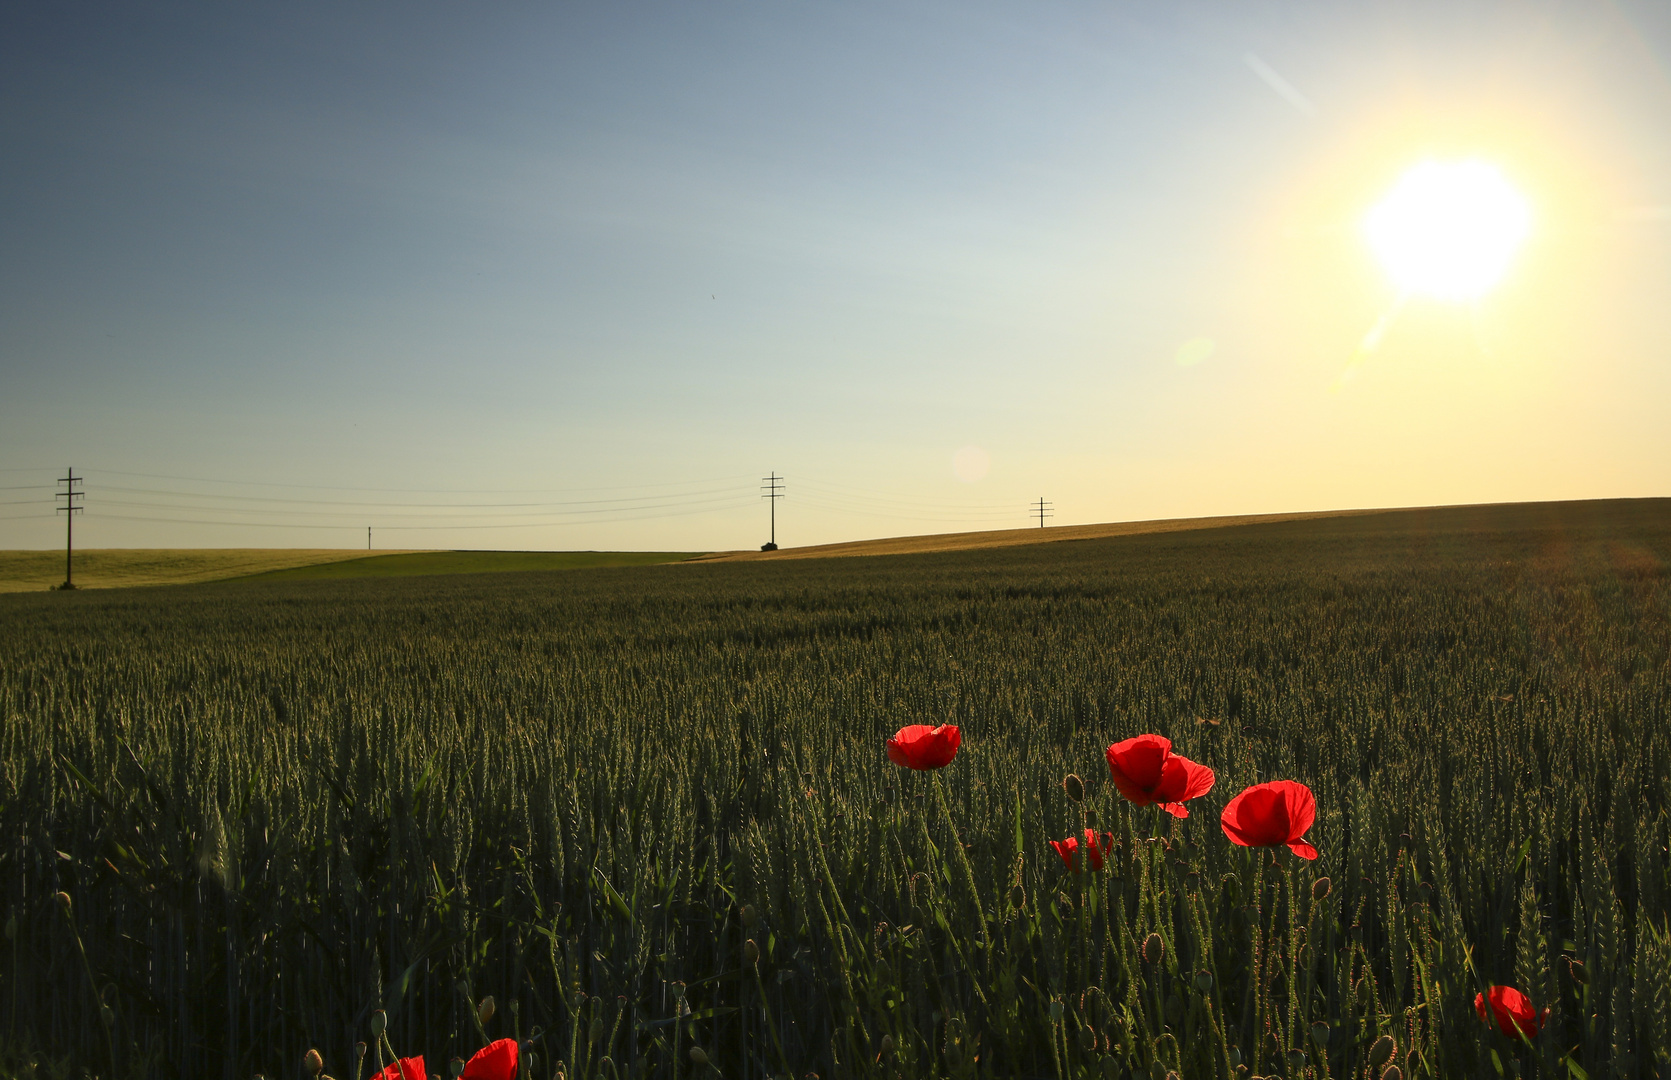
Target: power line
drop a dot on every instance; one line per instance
(70, 509)
(1042, 510)
(413, 505)
(846, 490)
(411, 491)
(359, 516)
(772, 487)
(315, 525)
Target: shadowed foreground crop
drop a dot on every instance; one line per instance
(651, 811)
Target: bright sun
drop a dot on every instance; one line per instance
(1448, 230)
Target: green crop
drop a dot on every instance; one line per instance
(649, 811)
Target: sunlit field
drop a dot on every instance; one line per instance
(651, 813)
(38, 571)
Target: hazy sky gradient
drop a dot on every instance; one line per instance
(256, 264)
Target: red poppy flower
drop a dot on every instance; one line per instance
(1068, 849)
(1148, 773)
(1270, 815)
(918, 746)
(1512, 1010)
(411, 1068)
(495, 1061)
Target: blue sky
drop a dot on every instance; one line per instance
(270, 276)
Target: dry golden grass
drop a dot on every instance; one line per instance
(968, 541)
(115, 568)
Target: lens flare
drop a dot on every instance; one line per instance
(1449, 230)
(971, 464)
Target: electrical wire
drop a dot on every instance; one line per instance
(380, 505)
(422, 491)
(362, 515)
(661, 500)
(385, 528)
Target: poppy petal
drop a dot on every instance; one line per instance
(1140, 762)
(1302, 809)
(919, 746)
(1174, 779)
(495, 1061)
(411, 1068)
(1130, 790)
(1201, 779)
(1303, 849)
(1177, 810)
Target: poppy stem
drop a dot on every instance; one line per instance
(962, 859)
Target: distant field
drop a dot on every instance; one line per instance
(1427, 520)
(115, 568)
(31, 571)
(1000, 538)
(425, 563)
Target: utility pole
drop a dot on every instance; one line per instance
(1042, 510)
(368, 537)
(772, 489)
(70, 509)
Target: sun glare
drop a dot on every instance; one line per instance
(1448, 230)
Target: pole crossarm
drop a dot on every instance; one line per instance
(771, 487)
(69, 510)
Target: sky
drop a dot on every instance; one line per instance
(578, 276)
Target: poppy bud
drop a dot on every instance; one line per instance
(751, 951)
(1075, 787)
(1381, 1050)
(1154, 949)
(458, 1066)
(595, 1032)
(1018, 896)
(379, 1022)
(107, 1014)
(11, 928)
(1173, 1076)
(1320, 888)
(1204, 981)
(606, 1063)
(1393, 1073)
(484, 1011)
(1087, 1039)
(63, 899)
(698, 1055)
(1055, 1012)
(1110, 1068)
(1235, 1056)
(561, 1072)
(1320, 1033)
(1575, 968)
(887, 1046)
(1296, 1059)
(748, 915)
(313, 1063)
(678, 989)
